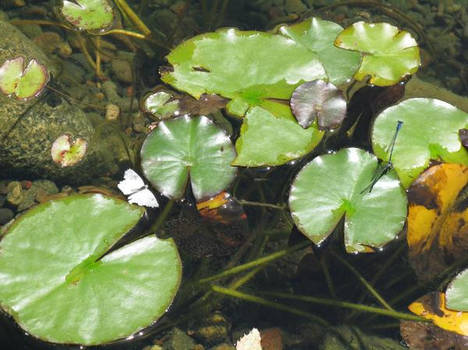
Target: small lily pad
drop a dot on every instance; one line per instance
(182, 146)
(61, 284)
(321, 101)
(21, 82)
(92, 15)
(331, 186)
(457, 293)
(160, 105)
(67, 151)
(389, 54)
(430, 132)
(270, 140)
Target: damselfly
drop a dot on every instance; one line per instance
(382, 169)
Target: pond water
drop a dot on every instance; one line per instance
(296, 230)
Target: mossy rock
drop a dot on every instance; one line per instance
(29, 127)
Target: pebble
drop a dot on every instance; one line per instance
(6, 215)
(122, 70)
(112, 112)
(15, 193)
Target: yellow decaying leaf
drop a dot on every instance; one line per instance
(438, 219)
(432, 307)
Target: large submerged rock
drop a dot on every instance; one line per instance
(28, 128)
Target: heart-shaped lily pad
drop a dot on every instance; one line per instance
(430, 132)
(58, 283)
(332, 186)
(321, 101)
(390, 54)
(92, 15)
(67, 151)
(269, 140)
(160, 105)
(22, 82)
(186, 145)
(247, 67)
(318, 36)
(457, 292)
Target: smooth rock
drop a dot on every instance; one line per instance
(5, 215)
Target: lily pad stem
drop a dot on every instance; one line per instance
(122, 4)
(255, 263)
(347, 305)
(162, 217)
(364, 282)
(268, 303)
(261, 204)
(326, 273)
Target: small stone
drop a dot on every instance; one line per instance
(48, 186)
(178, 340)
(122, 70)
(4, 187)
(6, 215)
(15, 193)
(2, 200)
(112, 112)
(223, 346)
(139, 124)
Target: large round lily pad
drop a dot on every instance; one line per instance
(183, 146)
(318, 36)
(247, 67)
(457, 292)
(429, 132)
(60, 286)
(269, 140)
(334, 185)
(389, 53)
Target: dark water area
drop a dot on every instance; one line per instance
(96, 90)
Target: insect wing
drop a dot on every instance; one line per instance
(144, 198)
(131, 183)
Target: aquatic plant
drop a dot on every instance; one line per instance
(22, 81)
(91, 15)
(68, 151)
(63, 281)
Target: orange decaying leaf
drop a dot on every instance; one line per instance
(432, 307)
(433, 216)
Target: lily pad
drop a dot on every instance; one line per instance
(389, 54)
(321, 101)
(160, 105)
(430, 132)
(331, 186)
(269, 140)
(22, 82)
(67, 151)
(318, 36)
(60, 285)
(183, 146)
(247, 67)
(457, 293)
(93, 15)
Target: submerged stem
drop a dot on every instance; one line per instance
(254, 299)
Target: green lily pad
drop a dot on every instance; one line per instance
(390, 54)
(457, 291)
(58, 283)
(183, 146)
(22, 82)
(269, 140)
(430, 132)
(92, 15)
(318, 36)
(332, 186)
(247, 67)
(159, 104)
